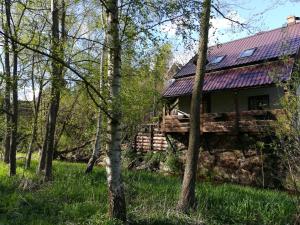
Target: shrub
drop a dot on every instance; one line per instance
(173, 162)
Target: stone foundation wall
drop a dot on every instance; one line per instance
(234, 166)
(237, 159)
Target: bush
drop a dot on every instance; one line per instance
(153, 159)
(173, 163)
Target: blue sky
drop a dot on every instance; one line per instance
(261, 16)
(277, 13)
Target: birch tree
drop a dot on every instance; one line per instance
(103, 70)
(117, 206)
(187, 197)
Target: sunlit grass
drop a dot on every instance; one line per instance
(76, 198)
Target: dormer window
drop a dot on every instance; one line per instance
(247, 53)
(217, 59)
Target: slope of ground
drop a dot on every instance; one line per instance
(76, 198)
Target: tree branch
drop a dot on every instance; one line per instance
(62, 62)
(227, 18)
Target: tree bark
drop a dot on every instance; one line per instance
(55, 90)
(42, 160)
(117, 206)
(36, 108)
(14, 89)
(187, 197)
(97, 147)
(14, 120)
(7, 103)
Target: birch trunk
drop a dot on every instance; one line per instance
(55, 90)
(117, 206)
(187, 197)
(97, 147)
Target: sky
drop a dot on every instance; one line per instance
(258, 14)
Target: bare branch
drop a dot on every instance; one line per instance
(243, 25)
(63, 63)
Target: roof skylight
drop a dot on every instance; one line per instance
(217, 59)
(247, 53)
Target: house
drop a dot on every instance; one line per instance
(240, 103)
(240, 89)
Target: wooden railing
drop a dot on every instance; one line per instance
(150, 137)
(245, 121)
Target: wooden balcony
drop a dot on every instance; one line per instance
(246, 121)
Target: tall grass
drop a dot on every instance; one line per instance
(76, 198)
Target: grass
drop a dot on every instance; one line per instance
(75, 198)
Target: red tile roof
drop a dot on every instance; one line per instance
(270, 44)
(242, 77)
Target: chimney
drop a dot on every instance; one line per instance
(292, 20)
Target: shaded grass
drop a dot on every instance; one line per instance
(76, 198)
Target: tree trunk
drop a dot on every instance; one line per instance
(117, 206)
(187, 198)
(42, 160)
(36, 108)
(55, 90)
(14, 120)
(7, 103)
(14, 89)
(97, 147)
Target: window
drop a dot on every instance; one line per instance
(247, 53)
(258, 102)
(217, 59)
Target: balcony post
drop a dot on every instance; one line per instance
(237, 112)
(163, 122)
(151, 137)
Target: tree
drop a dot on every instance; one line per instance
(14, 89)
(161, 63)
(36, 108)
(117, 205)
(187, 197)
(56, 85)
(103, 70)
(7, 103)
(285, 145)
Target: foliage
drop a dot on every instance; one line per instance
(154, 158)
(173, 162)
(287, 131)
(75, 198)
(142, 84)
(287, 128)
(77, 119)
(130, 158)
